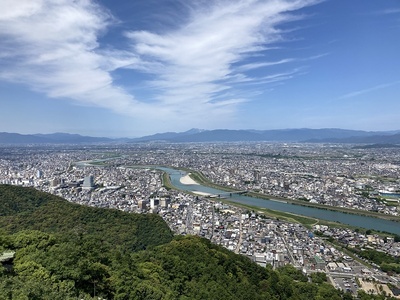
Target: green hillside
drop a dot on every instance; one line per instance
(67, 251)
(27, 208)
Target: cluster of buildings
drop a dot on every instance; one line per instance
(331, 175)
(277, 243)
(353, 239)
(121, 178)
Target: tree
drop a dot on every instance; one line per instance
(397, 238)
(318, 277)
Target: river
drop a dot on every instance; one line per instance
(323, 214)
(328, 215)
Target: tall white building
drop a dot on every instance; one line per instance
(88, 182)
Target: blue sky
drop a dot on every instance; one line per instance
(130, 68)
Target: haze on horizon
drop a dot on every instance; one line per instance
(132, 68)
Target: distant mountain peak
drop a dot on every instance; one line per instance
(195, 130)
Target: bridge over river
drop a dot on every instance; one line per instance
(361, 221)
(227, 194)
(366, 222)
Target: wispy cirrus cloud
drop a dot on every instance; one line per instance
(368, 90)
(252, 66)
(54, 47)
(390, 11)
(208, 55)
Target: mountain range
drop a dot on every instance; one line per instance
(326, 135)
(53, 138)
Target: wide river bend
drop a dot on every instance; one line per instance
(323, 214)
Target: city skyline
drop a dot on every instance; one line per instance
(122, 69)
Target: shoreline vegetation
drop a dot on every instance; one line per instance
(199, 178)
(278, 215)
(196, 177)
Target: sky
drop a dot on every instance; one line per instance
(120, 68)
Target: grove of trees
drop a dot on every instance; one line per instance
(68, 251)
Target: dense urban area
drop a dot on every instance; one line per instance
(127, 177)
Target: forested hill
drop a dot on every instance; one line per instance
(66, 251)
(27, 208)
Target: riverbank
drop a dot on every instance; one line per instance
(201, 179)
(326, 207)
(285, 208)
(187, 180)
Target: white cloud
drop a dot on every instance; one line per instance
(202, 59)
(390, 11)
(368, 90)
(257, 65)
(53, 47)
(17, 9)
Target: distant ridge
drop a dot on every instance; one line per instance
(278, 135)
(54, 138)
(167, 135)
(373, 139)
(325, 135)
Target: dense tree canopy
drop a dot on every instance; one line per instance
(67, 251)
(387, 263)
(27, 208)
